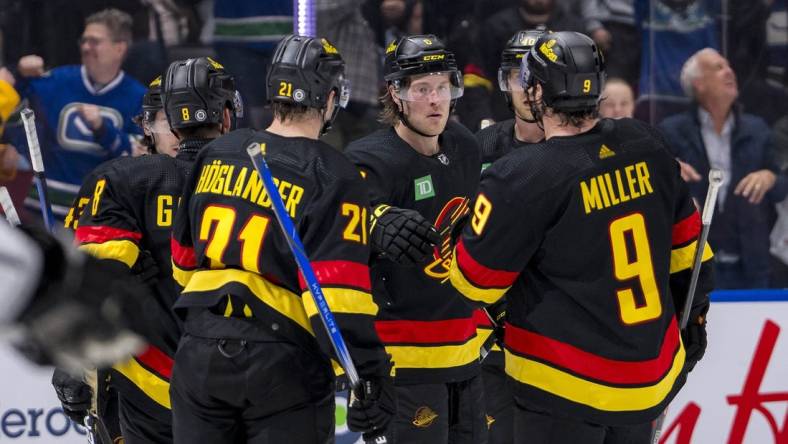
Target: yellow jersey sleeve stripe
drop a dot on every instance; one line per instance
(342, 300)
(181, 276)
(153, 386)
(681, 258)
(474, 80)
(444, 356)
(120, 250)
(470, 291)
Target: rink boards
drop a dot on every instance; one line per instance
(737, 394)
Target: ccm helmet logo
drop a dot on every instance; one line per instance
(431, 58)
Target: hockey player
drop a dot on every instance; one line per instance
(157, 134)
(254, 362)
(496, 141)
(76, 396)
(129, 218)
(591, 236)
(423, 165)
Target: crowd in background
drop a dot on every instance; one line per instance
(732, 97)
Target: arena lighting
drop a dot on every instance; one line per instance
(304, 17)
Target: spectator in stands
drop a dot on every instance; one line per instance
(611, 23)
(341, 22)
(245, 35)
(83, 113)
(618, 99)
(498, 28)
(393, 19)
(670, 31)
(715, 134)
(779, 236)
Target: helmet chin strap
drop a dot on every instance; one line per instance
(404, 119)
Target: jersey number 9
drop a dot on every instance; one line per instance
(638, 266)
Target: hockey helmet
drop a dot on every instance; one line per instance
(304, 70)
(196, 91)
(512, 55)
(569, 66)
(151, 101)
(421, 55)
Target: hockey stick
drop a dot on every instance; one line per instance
(255, 151)
(715, 180)
(29, 120)
(8, 207)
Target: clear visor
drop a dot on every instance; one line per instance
(238, 104)
(344, 92)
(509, 80)
(158, 126)
(432, 87)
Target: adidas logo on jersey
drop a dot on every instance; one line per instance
(606, 152)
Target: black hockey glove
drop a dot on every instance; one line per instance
(694, 336)
(372, 412)
(402, 235)
(74, 394)
(145, 269)
(84, 310)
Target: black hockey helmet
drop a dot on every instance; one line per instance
(151, 105)
(570, 68)
(151, 101)
(196, 91)
(420, 54)
(514, 51)
(304, 70)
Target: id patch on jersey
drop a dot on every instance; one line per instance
(424, 188)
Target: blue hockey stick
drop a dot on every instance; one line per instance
(255, 151)
(29, 120)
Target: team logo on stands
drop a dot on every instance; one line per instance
(424, 417)
(200, 115)
(446, 222)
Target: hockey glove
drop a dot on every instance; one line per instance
(84, 310)
(373, 410)
(402, 235)
(145, 269)
(74, 394)
(694, 336)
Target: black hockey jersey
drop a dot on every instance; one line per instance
(495, 141)
(593, 238)
(426, 326)
(124, 208)
(226, 241)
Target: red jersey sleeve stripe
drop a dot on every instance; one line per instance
(340, 273)
(98, 234)
(686, 229)
(182, 255)
(481, 319)
(480, 275)
(588, 365)
(156, 360)
(426, 332)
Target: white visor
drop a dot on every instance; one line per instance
(425, 91)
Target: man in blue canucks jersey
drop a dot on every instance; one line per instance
(84, 113)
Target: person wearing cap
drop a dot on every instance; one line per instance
(591, 236)
(420, 174)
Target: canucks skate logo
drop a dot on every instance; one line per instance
(75, 134)
(442, 253)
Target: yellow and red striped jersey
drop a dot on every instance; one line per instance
(591, 238)
(125, 208)
(226, 241)
(424, 323)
